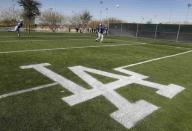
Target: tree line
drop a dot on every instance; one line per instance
(31, 14)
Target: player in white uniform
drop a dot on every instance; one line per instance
(100, 31)
(18, 26)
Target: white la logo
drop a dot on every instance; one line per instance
(128, 113)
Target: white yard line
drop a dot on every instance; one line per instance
(10, 41)
(27, 90)
(155, 59)
(81, 47)
(77, 38)
(46, 36)
(177, 47)
(127, 41)
(121, 40)
(152, 44)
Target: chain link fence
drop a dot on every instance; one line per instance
(4, 29)
(155, 31)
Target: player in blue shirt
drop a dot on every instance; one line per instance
(18, 26)
(100, 32)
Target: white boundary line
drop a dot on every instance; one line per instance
(27, 90)
(177, 47)
(9, 41)
(33, 40)
(121, 40)
(155, 59)
(151, 43)
(45, 36)
(81, 47)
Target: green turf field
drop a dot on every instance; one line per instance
(44, 109)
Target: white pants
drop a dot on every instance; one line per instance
(100, 37)
(16, 28)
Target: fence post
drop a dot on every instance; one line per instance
(178, 33)
(121, 28)
(108, 24)
(156, 28)
(137, 30)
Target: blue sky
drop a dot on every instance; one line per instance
(129, 10)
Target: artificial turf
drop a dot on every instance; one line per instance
(44, 110)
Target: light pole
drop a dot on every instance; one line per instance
(189, 5)
(155, 18)
(101, 3)
(51, 15)
(13, 10)
(142, 19)
(107, 17)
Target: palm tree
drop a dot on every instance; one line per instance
(30, 10)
